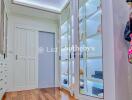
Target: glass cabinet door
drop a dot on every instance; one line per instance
(66, 52)
(90, 33)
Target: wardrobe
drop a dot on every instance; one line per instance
(81, 49)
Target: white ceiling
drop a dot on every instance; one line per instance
(51, 5)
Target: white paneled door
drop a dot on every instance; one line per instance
(25, 68)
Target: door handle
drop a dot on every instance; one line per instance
(59, 57)
(16, 57)
(70, 55)
(74, 54)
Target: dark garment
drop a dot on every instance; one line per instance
(128, 0)
(128, 31)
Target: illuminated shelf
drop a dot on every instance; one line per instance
(85, 37)
(96, 80)
(94, 14)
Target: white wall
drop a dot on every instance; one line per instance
(120, 18)
(108, 50)
(39, 24)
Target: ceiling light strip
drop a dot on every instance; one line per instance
(33, 7)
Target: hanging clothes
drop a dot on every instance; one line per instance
(128, 31)
(128, 0)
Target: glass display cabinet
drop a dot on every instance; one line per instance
(90, 33)
(66, 54)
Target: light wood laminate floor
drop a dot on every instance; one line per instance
(39, 94)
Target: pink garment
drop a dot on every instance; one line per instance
(130, 51)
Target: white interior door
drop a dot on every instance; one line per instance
(25, 69)
(32, 66)
(20, 63)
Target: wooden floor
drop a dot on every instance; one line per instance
(39, 94)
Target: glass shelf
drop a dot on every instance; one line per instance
(82, 12)
(64, 28)
(95, 80)
(92, 6)
(94, 68)
(95, 21)
(64, 40)
(64, 67)
(64, 74)
(64, 54)
(64, 81)
(82, 30)
(92, 88)
(82, 50)
(95, 46)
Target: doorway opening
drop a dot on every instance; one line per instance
(46, 60)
